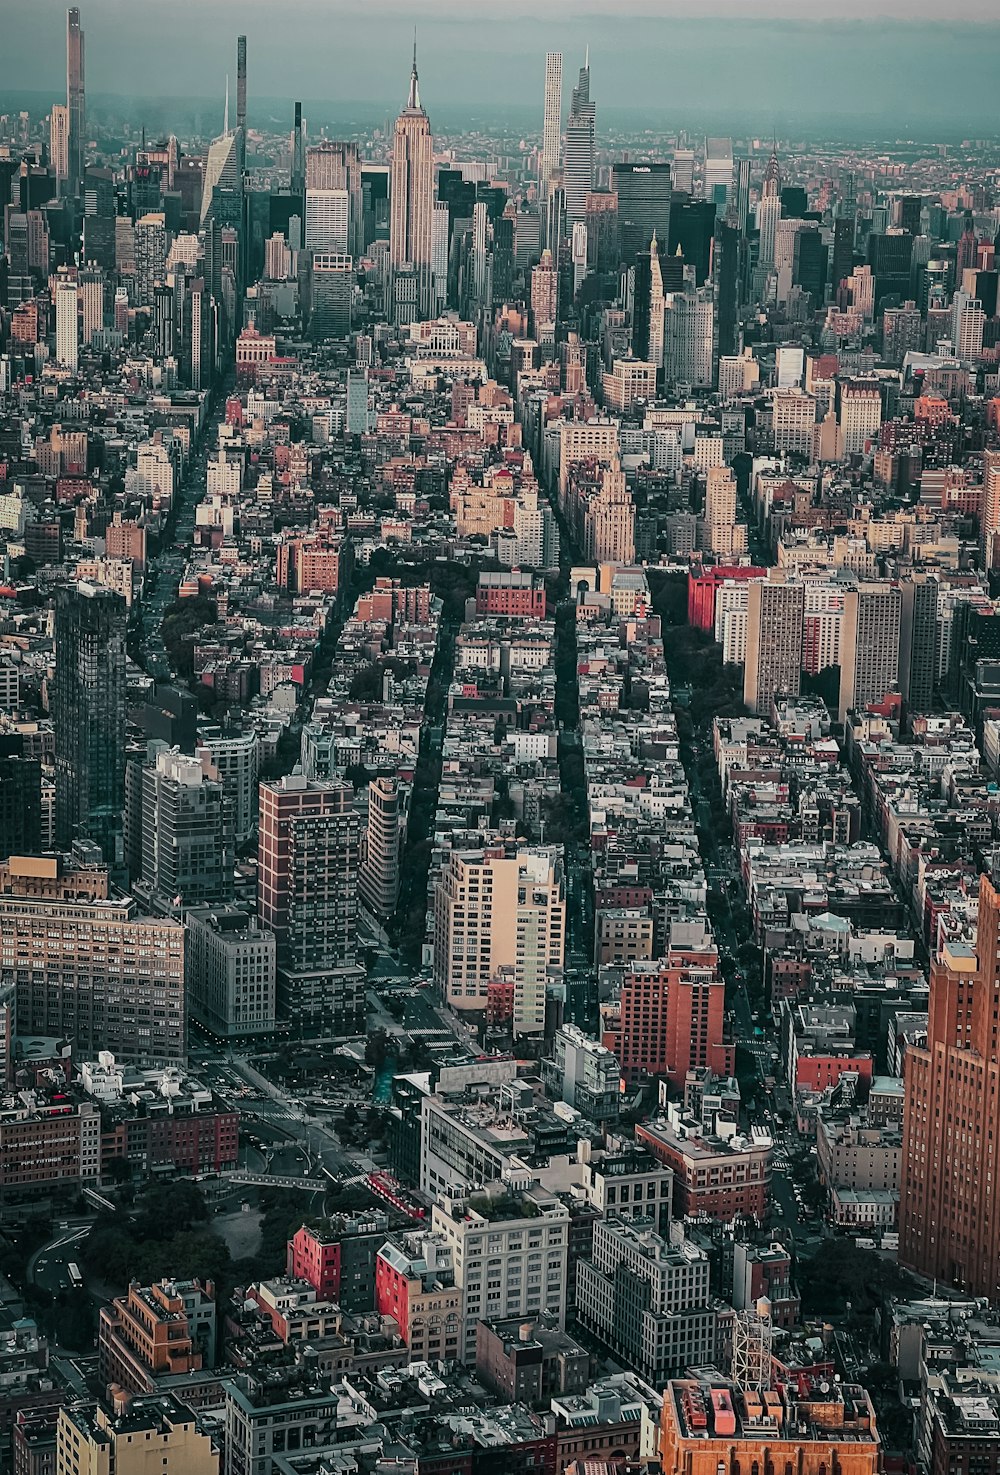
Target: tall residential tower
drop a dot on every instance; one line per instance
(552, 121)
(75, 101)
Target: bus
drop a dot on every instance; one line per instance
(75, 1278)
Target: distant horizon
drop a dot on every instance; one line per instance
(895, 75)
(267, 115)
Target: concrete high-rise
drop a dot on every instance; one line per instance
(150, 256)
(235, 751)
(59, 143)
(75, 101)
(552, 121)
(500, 919)
(87, 964)
(774, 642)
(91, 304)
(949, 1209)
(860, 415)
(688, 337)
(918, 640)
(188, 846)
(88, 714)
(328, 220)
(657, 307)
(722, 535)
(718, 169)
(411, 196)
(869, 646)
(989, 523)
(332, 277)
(67, 324)
(579, 152)
(337, 166)
(545, 295)
(382, 847)
(307, 894)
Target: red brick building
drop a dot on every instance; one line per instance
(713, 1177)
(672, 1016)
(949, 1211)
(703, 587)
(521, 595)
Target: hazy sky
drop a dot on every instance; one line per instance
(781, 61)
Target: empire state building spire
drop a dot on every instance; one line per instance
(413, 101)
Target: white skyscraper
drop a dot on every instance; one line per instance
(657, 306)
(92, 302)
(552, 122)
(579, 254)
(439, 254)
(968, 322)
(67, 332)
(328, 214)
(682, 171)
(718, 169)
(688, 328)
(59, 142)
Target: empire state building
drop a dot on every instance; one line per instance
(411, 204)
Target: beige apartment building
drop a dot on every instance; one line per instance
(500, 913)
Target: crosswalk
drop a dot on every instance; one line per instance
(780, 1160)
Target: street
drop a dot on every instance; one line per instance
(48, 1266)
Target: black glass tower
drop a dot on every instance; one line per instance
(88, 714)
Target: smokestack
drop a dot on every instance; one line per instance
(241, 97)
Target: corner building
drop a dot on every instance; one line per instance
(949, 1211)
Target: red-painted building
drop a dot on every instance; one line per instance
(314, 1255)
(819, 1072)
(338, 1259)
(702, 589)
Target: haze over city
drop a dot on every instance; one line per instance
(900, 68)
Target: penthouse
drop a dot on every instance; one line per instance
(711, 1427)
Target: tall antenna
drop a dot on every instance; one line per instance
(225, 116)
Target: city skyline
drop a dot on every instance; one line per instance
(761, 66)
